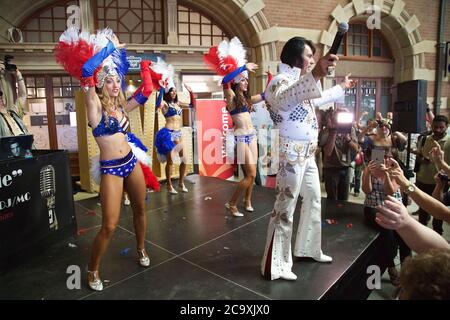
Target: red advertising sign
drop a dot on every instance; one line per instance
(213, 122)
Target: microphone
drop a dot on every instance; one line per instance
(342, 29)
(48, 191)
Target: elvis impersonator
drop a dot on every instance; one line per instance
(291, 97)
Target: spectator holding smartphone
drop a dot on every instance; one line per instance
(377, 185)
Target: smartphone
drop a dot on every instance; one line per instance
(378, 155)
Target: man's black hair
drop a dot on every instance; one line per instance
(292, 53)
(440, 118)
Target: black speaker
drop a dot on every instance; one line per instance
(410, 107)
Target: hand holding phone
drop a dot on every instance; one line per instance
(378, 155)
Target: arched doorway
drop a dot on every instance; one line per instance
(399, 30)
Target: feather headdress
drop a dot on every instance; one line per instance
(226, 58)
(75, 48)
(166, 71)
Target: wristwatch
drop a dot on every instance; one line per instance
(410, 188)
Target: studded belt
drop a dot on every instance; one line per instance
(295, 150)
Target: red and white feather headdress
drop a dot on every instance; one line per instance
(75, 48)
(226, 58)
(166, 71)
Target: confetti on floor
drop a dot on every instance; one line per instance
(125, 252)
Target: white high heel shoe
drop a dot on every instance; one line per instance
(144, 260)
(95, 284)
(248, 208)
(184, 189)
(173, 191)
(233, 209)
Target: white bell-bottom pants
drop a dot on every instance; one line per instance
(294, 179)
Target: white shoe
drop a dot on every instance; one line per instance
(249, 208)
(95, 284)
(235, 213)
(184, 189)
(288, 276)
(323, 258)
(173, 191)
(126, 202)
(144, 260)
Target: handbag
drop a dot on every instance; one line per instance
(359, 159)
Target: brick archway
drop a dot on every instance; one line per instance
(400, 29)
(244, 20)
(237, 17)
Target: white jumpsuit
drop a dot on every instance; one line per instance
(292, 110)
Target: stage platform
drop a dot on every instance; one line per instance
(199, 251)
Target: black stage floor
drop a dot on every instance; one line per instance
(199, 251)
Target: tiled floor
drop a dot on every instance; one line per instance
(197, 251)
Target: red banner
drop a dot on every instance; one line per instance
(213, 122)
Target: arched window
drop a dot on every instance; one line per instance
(47, 25)
(196, 29)
(134, 21)
(364, 44)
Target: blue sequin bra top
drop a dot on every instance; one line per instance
(172, 111)
(236, 110)
(110, 126)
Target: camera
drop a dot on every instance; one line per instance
(344, 121)
(9, 66)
